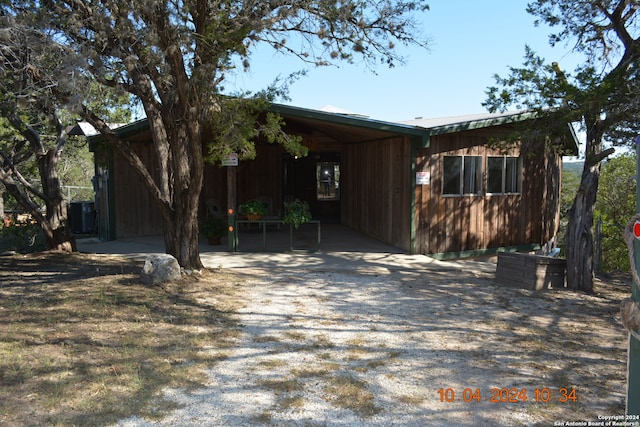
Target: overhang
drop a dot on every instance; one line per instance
(446, 125)
(343, 128)
(347, 128)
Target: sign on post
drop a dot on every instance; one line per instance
(230, 160)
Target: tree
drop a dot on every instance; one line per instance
(33, 135)
(602, 94)
(26, 106)
(616, 203)
(173, 57)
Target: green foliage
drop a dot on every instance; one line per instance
(571, 173)
(76, 169)
(22, 237)
(602, 94)
(615, 205)
(238, 122)
(603, 89)
(296, 212)
(253, 207)
(114, 106)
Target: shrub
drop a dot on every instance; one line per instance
(23, 237)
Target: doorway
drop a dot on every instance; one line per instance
(316, 180)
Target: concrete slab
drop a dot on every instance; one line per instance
(341, 249)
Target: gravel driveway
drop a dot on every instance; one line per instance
(379, 346)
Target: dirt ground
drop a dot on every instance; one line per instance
(375, 347)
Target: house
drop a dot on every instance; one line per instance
(434, 187)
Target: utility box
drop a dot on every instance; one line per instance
(82, 216)
(530, 271)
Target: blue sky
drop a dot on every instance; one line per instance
(471, 41)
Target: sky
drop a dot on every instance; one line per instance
(471, 41)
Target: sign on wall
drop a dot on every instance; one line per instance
(423, 178)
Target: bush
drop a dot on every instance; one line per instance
(23, 237)
(615, 205)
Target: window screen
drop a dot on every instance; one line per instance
(462, 175)
(503, 175)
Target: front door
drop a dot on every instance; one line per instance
(316, 180)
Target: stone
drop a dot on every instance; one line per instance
(160, 268)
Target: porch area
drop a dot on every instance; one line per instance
(341, 248)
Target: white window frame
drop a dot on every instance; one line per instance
(469, 184)
(506, 185)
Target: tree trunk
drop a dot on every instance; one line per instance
(57, 230)
(176, 185)
(186, 162)
(579, 237)
(54, 223)
(181, 235)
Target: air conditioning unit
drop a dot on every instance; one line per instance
(82, 216)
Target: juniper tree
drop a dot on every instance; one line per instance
(602, 94)
(174, 56)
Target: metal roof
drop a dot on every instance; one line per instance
(452, 124)
(348, 127)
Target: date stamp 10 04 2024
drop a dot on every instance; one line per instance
(508, 395)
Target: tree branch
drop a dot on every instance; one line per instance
(594, 159)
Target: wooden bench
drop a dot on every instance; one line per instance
(529, 271)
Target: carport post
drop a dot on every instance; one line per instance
(633, 375)
(232, 236)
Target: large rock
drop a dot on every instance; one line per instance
(160, 269)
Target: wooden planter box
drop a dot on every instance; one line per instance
(530, 271)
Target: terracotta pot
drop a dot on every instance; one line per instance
(253, 217)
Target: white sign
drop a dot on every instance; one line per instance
(230, 160)
(423, 178)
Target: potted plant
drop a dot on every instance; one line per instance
(296, 212)
(213, 229)
(253, 209)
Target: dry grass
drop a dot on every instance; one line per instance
(82, 342)
(351, 393)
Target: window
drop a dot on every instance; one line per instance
(503, 175)
(462, 175)
(328, 181)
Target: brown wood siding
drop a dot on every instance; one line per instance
(136, 213)
(375, 178)
(261, 177)
(376, 194)
(475, 222)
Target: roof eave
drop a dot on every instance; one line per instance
(482, 123)
(125, 131)
(351, 120)
(576, 142)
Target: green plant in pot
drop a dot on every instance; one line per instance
(253, 209)
(296, 212)
(214, 229)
